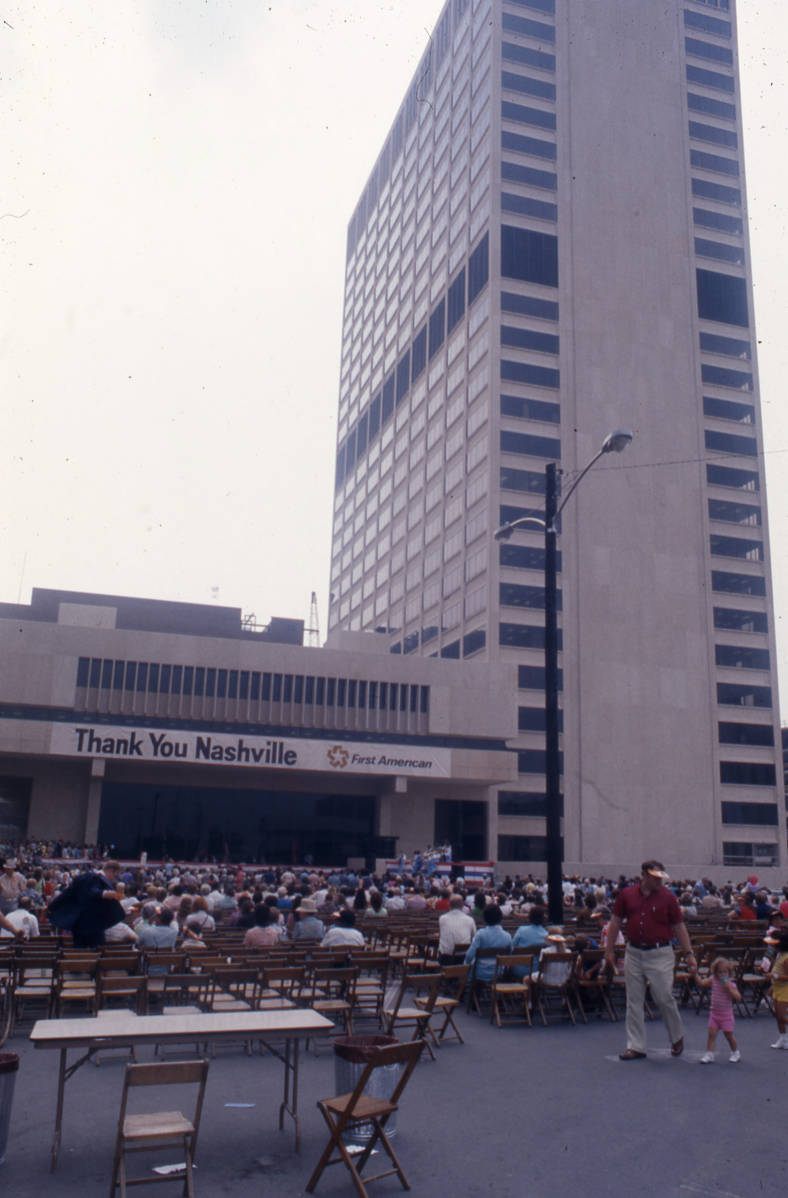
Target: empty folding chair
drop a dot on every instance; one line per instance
(122, 993)
(404, 1012)
(34, 983)
(453, 979)
(592, 983)
(158, 1129)
(346, 1110)
(332, 992)
(556, 981)
(76, 982)
(235, 988)
(371, 985)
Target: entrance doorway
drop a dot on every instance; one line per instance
(206, 823)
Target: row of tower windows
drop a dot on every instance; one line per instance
(413, 362)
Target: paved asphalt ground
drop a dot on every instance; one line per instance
(531, 1113)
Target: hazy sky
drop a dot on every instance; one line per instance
(176, 178)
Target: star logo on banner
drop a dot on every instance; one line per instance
(338, 757)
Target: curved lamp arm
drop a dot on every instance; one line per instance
(615, 442)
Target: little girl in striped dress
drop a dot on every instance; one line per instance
(723, 995)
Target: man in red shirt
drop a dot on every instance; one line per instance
(652, 918)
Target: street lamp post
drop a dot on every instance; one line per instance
(614, 443)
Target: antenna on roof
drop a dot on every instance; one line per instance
(313, 631)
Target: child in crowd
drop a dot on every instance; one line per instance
(779, 976)
(723, 996)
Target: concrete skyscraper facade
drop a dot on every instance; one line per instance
(551, 245)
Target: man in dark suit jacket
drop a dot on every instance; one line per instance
(89, 906)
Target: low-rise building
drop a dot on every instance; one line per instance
(175, 728)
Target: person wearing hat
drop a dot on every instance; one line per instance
(651, 917)
(12, 883)
(307, 926)
(779, 989)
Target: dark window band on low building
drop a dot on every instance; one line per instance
(523, 848)
(524, 802)
(741, 854)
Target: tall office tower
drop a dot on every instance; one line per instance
(552, 245)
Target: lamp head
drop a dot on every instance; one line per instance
(617, 441)
(503, 533)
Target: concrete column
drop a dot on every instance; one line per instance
(93, 812)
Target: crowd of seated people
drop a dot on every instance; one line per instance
(163, 903)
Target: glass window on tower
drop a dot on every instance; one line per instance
(722, 298)
(529, 256)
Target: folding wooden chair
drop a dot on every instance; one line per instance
(422, 949)
(476, 984)
(119, 997)
(124, 993)
(332, 992)
(282, 985)
(592, 981)
(185, 993)
(346, 1110)
(683, 980)
(507, 989)
(34, 982)
(7, 979)
(556, 980)
(235, 988)
(415, 1016)
(617, 992)
(453, 979)
(370, 984)
(76, 981)
(753, 984)
(160, 1129)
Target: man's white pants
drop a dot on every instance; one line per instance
(652, 967)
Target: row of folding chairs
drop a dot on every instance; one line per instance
(525, 984)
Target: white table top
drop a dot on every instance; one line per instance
(210, 1025)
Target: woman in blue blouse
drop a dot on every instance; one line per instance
(492, 935)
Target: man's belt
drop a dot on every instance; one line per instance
(646, 948)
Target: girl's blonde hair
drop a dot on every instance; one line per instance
(716, 964)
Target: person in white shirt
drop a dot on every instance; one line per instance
(21, 920)
(120, 933)
(454, 927)
(343, 932)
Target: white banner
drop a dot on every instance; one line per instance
(224, 748)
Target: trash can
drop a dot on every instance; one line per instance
(9, 1066)
(351, 1057)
